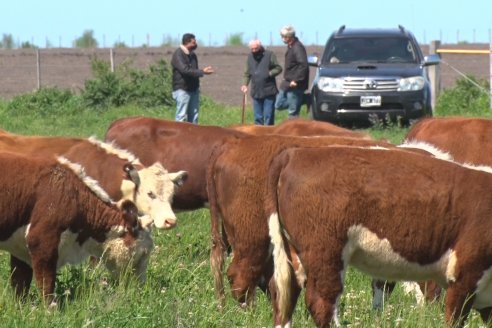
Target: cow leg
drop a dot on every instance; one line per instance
(244, 274)
(459, 300)
(381, 291)
(20, 276)
(431, 290)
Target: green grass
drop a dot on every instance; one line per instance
(179, 287)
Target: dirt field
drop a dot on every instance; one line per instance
(69, 68)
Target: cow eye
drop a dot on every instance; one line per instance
(151, 195)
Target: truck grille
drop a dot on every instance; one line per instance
(370, 84)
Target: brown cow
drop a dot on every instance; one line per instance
(178, 146)
(51, 216)
(300, 127)
(117, 171)
(466, 139)
(236, 181)
(392, 214)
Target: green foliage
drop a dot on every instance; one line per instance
(87, 40)
(28, 45)
(468, 98)
(46, 101)
(235, 39)
(127, 85)
(120, 44)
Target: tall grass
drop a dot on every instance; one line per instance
(179, 287)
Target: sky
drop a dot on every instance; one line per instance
(57, 23)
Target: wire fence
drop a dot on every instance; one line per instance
(26, 70)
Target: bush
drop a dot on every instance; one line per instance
(469, 97)
(128, 86)
(44, 101)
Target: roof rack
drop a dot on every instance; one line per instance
(340, 30)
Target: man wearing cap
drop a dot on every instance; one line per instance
(296, 74)
(261, 69)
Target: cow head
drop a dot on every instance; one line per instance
(152, 189)
(128, 246)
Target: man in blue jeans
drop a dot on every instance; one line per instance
(296, 74)
(261, 69)
(186, 80)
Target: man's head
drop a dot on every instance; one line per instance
(255, 46)
(189, 41)
(288, 33)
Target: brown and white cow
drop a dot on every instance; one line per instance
(466, 139)
(300, 127)
(51, 216)
(392, 214)
(236, 181)
(117, 171)
(178, 146)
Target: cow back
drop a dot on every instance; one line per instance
(177, 146)
(467, 140)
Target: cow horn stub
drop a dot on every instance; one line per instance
(132, 174)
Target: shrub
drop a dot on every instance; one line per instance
(128, 86)
(469, 97)
(44, 101)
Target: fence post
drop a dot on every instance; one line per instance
(111, 59)
(434, 74)
(490, 77)
(38, 68)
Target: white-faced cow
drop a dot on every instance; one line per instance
(51, 216)
(117, 171)
(236, 182)
(178, 146)
(392, 214)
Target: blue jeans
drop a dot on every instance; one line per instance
(291, 100)
(187, 105)
(264, 110)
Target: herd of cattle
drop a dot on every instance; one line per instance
(293, 204)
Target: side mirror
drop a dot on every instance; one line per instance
(313, 60)
(433, 59)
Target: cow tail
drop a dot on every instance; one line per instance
(282, 270)
(218, 247)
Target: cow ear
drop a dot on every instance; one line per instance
(130, 214)
(131, 173)
(178, 178)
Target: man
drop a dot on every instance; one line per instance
(296, 74)
(186, 80)
(261, 69)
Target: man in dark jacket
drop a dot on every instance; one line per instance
(186, 80)
(296, 74)
(261, 69)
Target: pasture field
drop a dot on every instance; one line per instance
(179, 288)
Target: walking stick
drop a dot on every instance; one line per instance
(244, 108)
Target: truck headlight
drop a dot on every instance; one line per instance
(413, 83)
(329, 84)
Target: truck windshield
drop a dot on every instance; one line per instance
(376, 50)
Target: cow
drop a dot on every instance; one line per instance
(236, 184)
(52, 214)
(300, 127)
(390, 213)
(178, 146)
(118, 172)
(466, 139)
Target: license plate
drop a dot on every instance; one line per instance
(370, 101)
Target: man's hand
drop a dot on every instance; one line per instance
(293, 84)
(208, 70)
(244, 88)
